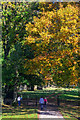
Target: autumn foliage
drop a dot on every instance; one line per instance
(54, 37)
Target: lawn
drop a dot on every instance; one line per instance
(65, 93)
(69, 111)
(16, 112)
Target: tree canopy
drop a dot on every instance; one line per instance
(40, 40)
(54, 36)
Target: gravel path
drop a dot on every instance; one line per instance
(51, 113)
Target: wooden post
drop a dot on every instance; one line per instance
(58, 100)
(36, 100)
(27, 99)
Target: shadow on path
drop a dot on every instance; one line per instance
(51, 112)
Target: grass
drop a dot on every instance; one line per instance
(70, 111)
(66, 93)
(22, 112)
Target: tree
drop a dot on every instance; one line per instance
(54, 38)
(33, 80)
(12, 77)
(14, 17)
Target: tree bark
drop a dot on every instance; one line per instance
(8, 94)
(68, 85)
(15, 94)
(32, 88)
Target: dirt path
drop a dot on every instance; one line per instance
(50, 113)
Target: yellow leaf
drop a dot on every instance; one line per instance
(73, 67)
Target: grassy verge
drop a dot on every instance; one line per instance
(22, 112)
(70, 111)
(69, 106)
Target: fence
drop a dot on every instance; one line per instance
(53, 99)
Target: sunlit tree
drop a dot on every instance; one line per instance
(54, 38)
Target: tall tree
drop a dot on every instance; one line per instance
(54, 38)
(12, 74)
(14, 17)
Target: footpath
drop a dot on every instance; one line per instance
(51, 113)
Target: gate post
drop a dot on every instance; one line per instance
(27, 99)
(36, 100)
(58, 100)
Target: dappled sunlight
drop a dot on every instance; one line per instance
(19, 112)
(69, 110)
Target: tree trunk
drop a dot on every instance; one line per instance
(15, 94)
(8, 94)
(32, 88)
(15, 87)
(68, 85)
